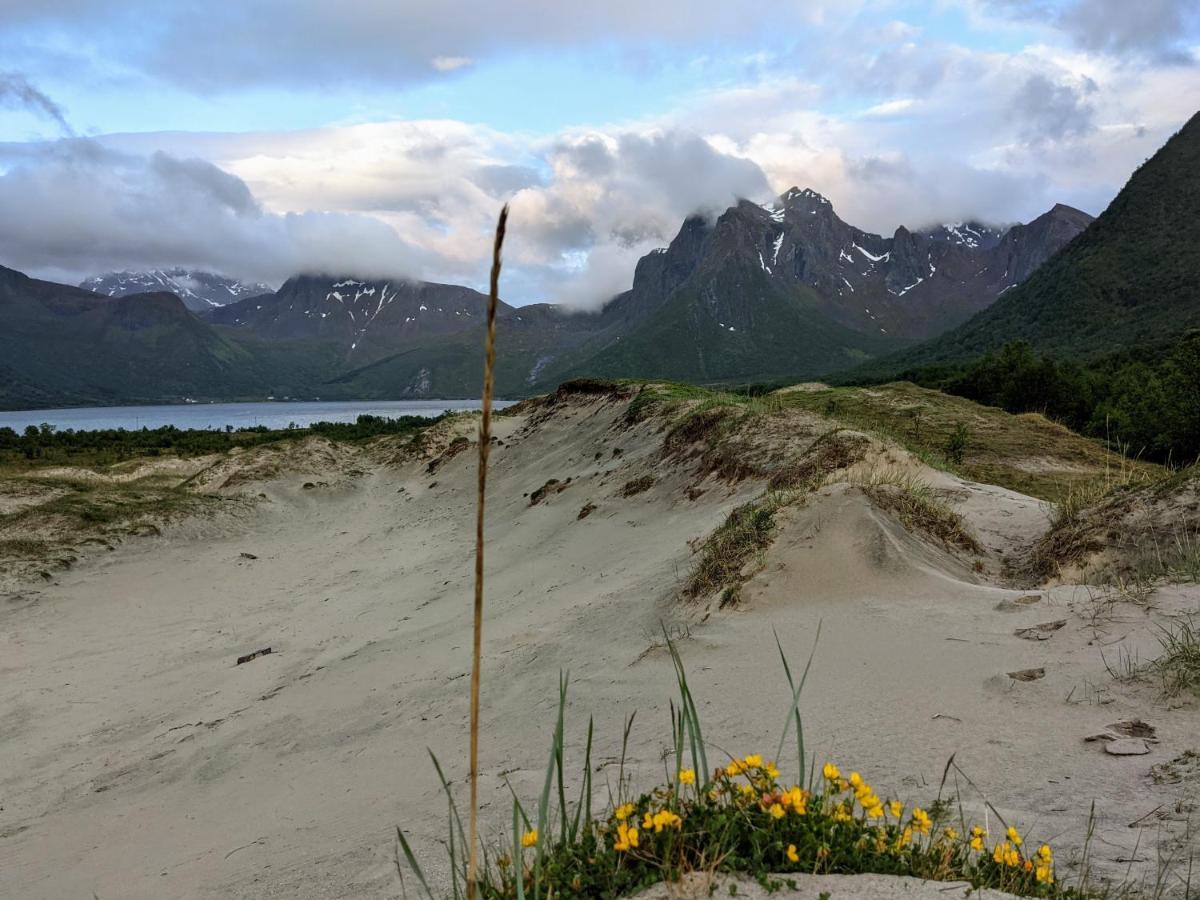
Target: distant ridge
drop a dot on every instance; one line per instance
(199, 291)
(789, 290)
(1131, 279)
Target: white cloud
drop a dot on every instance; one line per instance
(294, 43)
(78, 208)
(895, 127)
(450, 63)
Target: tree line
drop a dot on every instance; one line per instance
(1145, 401)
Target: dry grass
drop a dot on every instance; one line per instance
(485, 446)
(743, 536)
(1178, 668)
(87, 515)
(637, 486)
(1127, 530)
(914, 503)
(1026, 453)
(829, 453)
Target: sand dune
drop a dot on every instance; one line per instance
(138, 760)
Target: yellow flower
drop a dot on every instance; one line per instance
(797, 799)
(1044, 854)
(1044, 874)
(896, 808)
(921, 821)
(977, 836)
(777, 811)
(669, 818)
(950, 834)
(662, 819)
(771, 771)
(626, 837)
(792, 855)
(753, 761)
(529, 838)
(687, 776)
(747, 790)
(1014, 836)
(734, 768)
(1006, 854)
(905, 838)
(855, 779)
(841, 814)
(624, 811)
(831, 772)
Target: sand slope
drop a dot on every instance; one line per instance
(137, 760)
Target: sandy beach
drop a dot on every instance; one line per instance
(139, 760)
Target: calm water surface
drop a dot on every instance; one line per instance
(239, 415)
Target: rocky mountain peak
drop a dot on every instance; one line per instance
(200, 291)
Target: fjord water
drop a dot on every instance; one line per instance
(238, 415)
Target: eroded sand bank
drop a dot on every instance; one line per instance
(138, 760)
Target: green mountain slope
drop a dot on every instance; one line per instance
(63, 345)
(777, 334)
(1131, 279)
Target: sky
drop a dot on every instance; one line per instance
(379, 138)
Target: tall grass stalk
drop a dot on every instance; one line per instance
(485, 447)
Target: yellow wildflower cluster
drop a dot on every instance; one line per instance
(627, 837)
(1006, 854)
(778, 803)
(529, 838)
(664, 818)
(921, 822)
(752, 766)
(751, 783)
(977, 836)
(1043, 865)
(866, 796)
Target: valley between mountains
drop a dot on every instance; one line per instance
(757, 293)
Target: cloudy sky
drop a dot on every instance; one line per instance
(266, 137)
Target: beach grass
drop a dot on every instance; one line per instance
(740, 816)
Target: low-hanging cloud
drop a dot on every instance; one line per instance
(613, 198)
(76, 208)
(17, 91)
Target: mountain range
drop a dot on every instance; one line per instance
(1131, 279)
(760, 292)
(785, 289)
(199, 291)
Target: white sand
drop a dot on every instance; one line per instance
(816, 887)
(136, 760)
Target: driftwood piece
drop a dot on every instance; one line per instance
(255, 655)
(1040, 632)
